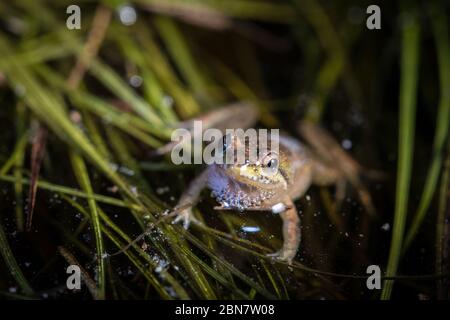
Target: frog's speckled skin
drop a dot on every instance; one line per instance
(254, 186)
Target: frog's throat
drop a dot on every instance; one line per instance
(235, 194)
(240, 199)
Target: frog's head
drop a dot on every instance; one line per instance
(245, 182)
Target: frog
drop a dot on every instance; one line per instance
(275, 179)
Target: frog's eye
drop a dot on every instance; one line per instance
(270, 164)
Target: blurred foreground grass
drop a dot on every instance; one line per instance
(112, 92)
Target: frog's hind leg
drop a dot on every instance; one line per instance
(325, 175)
(239, 115)
(189, 198)
(334, 165)
(291, 227)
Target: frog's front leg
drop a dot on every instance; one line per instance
(189, 198)
(291, 230)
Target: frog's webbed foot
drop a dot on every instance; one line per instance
(185, 216)
(183, 210)
(283, 255)
(232, 116)
(335, 166)
(291, 231)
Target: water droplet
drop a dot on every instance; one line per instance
(251, 229)
(19, 90)
(127, 171)
(75, 116)
(347, 144)
(113, 189)
(168, 101)
(114, 166)
(162, 190)
(136, 81)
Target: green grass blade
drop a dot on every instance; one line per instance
(12, 265)
(180, 52)
(442, 246)
(441, 35)
(47, 107)
(18, 167)
(15, 155)
(185, 104)
(229, 266)
(117, 86)
(243, 9)
(119, 244)
(74, 192)
(128, 122)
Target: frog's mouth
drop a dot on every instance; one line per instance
(259, 181)
(255, 178)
